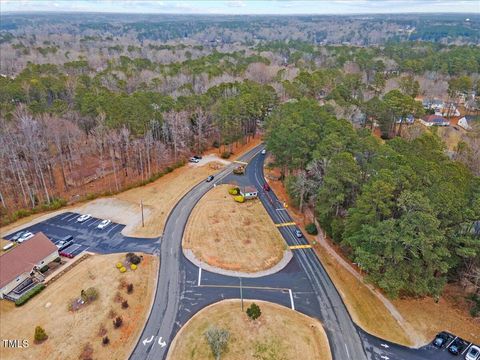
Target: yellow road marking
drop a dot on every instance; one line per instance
(240, 162)
(300, 247)
(285, 224)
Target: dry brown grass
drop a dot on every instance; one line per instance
(233, 236)
(450, 313)
(68, 332)
(279, 333)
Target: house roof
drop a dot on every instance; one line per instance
(23, 257)
(250, 189)
(435, 119)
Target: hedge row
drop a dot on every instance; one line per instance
(29, 294)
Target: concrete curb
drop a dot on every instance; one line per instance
(287, 256)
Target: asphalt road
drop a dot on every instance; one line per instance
(344, 337)
(183, 289)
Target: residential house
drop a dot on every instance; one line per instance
(20, 267)
(434, 120)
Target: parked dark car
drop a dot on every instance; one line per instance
(18, 235)
(198, 157)
(210, 178)
(442, 339)
(457, 346)
(65, 242)
(266, 187)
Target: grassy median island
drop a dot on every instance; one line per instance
(78, 310)
(279, 333)
(233, 236)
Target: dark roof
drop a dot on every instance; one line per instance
(435, 119)
(23, 257)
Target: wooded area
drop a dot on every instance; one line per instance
(93, 107)
(403, 210)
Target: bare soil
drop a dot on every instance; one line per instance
(279, 333)
(69, 332)
(231, 235)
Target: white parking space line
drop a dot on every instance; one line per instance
(87, 221)
(291, 299)
(72, 218)
(95, 222)
(446, 347)
(464, 351)
(88, 247)
(66, 216)
(72, 248)
(113, 228)
(199, 276)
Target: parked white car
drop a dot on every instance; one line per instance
(27, 235)
(264, 152)
(473, 353)
(104, 224)
(83, 218)
(194, 160)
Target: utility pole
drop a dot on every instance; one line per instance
(241, 293)
(141, 206)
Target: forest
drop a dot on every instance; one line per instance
(403, 210)
(91, 106)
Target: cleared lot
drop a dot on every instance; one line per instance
(279, 333)
(233, 236)
(70, 331)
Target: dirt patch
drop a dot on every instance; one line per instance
(423, 316)
(279, 333)
(231, 235)
(69, 332)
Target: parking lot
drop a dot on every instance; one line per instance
(86, 235)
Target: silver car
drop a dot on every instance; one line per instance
(473, 353)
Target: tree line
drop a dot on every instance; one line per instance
(403, 210)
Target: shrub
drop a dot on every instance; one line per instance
(29, 294)
(125, 304)
(87, 352)
(216, 144)
(130, 288)
(133, 266)
(123, 269)
(233, 191)
(226, 154)
(58, 260)
(254, 311)
(117, 322)
(40, 334)
(90, 294)
(133, 258)
(44, 269)
(239, 199)
(119, 265)
(311, 229)
(217, 339)
(105, 340)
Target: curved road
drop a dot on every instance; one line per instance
(182, 290)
